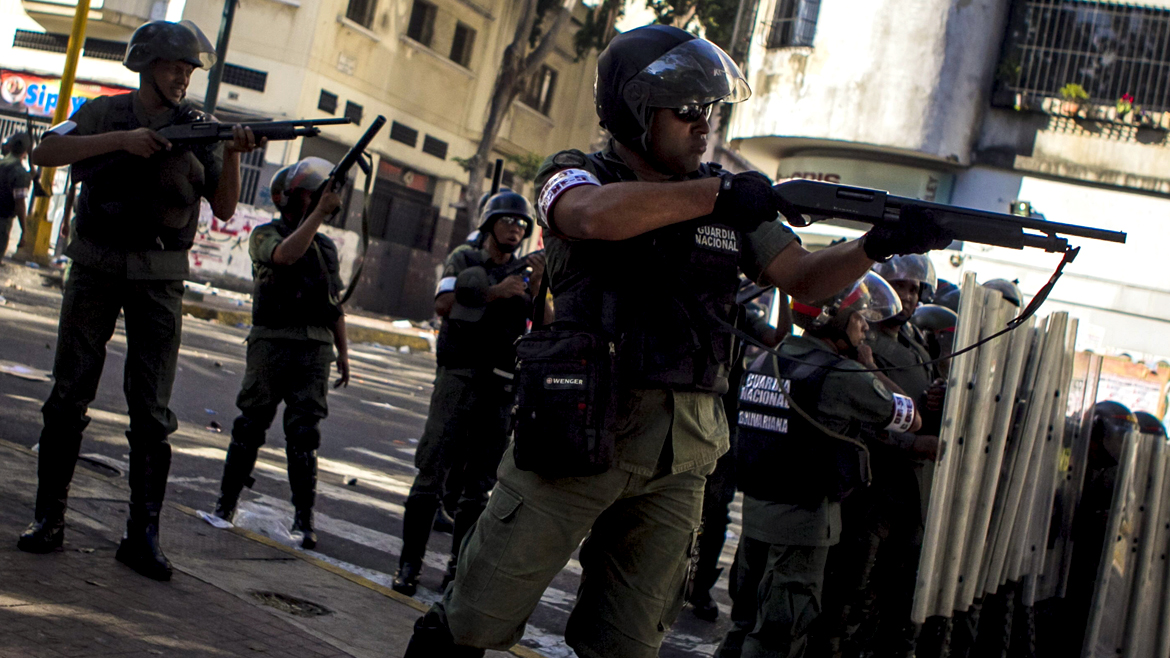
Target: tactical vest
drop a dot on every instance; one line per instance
(142, 204)
(780, 456)
(302, 294)
(490, 343)
(658, 294)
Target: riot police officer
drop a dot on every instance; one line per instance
(484, 297)
(644, 245)
(297, 321)
(137, 215)
(794, 472)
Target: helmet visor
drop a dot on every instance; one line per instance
(200, 54)
(911, 267)
(873, 298)
(695, 73)
(308, 174)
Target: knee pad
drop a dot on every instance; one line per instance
(303, 439)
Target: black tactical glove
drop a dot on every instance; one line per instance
(915, 232)
(747, 200)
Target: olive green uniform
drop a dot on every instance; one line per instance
(467, 423)
(13, 178)
(641, 516)
(778, 579)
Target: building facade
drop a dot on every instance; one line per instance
(1054, 107)
(428, 66)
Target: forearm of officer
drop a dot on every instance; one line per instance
(340, 340)
(297, 243)
(810, 276)
(227, 191)
(443, 304)
(624, 210)
(62, 150)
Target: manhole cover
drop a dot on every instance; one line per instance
(291, 604)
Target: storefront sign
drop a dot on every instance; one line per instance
(40, 95)
(896, 179)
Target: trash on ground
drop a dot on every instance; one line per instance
(24, 372)
(210, 412)
(214, 427)
(352, 482)
(384, 405)
(214, 520)
(401, 324)
(405, 349)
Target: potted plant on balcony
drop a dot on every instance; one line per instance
(1073, 96)
(1126, 112)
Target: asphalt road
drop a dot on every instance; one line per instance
(366, 456)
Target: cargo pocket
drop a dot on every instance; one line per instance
(490, 542)
(680, 585)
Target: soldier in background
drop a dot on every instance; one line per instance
(297, 321)
(137, 216)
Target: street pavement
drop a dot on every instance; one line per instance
(366, 460)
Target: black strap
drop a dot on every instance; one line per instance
(361, 259)
(538, 302)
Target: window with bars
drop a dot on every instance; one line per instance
(539, 92)
(422, 22)
(58, 43)
(244, 77)
(251, 168)
(1110, 50)
(461, 45)
(794, 23)
(401, 132)
(327, 102)
(353, 112)
(435, 146)
(361, 11)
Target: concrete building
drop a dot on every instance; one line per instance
(984, 103)
(428, 66)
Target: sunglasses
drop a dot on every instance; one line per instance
(693, 112)
(515, 221)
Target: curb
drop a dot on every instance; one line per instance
(354, 329)
(518, 650)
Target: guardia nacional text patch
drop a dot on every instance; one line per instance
(717, 238)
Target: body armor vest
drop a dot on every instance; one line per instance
(657, 295)
(298, 295)
(781, 457)
(141, 204)
(489, 343)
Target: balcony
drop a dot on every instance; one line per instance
(108, 19)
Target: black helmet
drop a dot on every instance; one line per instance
(1011, 291)
(660, 66)
(935, 318)
(1148, 423)
(870, 295)
(1111, 422)
(949, 299)
(507, 203)
(183, 41)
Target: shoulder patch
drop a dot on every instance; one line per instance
(569, 159)
(880, 388)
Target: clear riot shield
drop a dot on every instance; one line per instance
(1107, 616)
(1141, 627)
(979, 535)
(1082, 397)
(954, 414)
(973, 445)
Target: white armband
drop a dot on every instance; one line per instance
(563, 180)
(903, 414)
(446, 284)
(20, 193)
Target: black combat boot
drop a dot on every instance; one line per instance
(432, 638)
(54, 472)
(237, 474)
(302, 479)
(702, 605)
(140, 549)
(416, 530)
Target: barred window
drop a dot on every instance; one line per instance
(327, 103)
(353, 112)
(244, 77)
(436, 147)
(251, 167)
(361, 11)
(1108, 50)
(794, 23)
(401, 132)
(58, 43)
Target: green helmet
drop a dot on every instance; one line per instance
(507, 204)
(183, 42)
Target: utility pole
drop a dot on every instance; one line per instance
(211, 98)
(39, 230)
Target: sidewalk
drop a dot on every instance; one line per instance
(234, 593)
